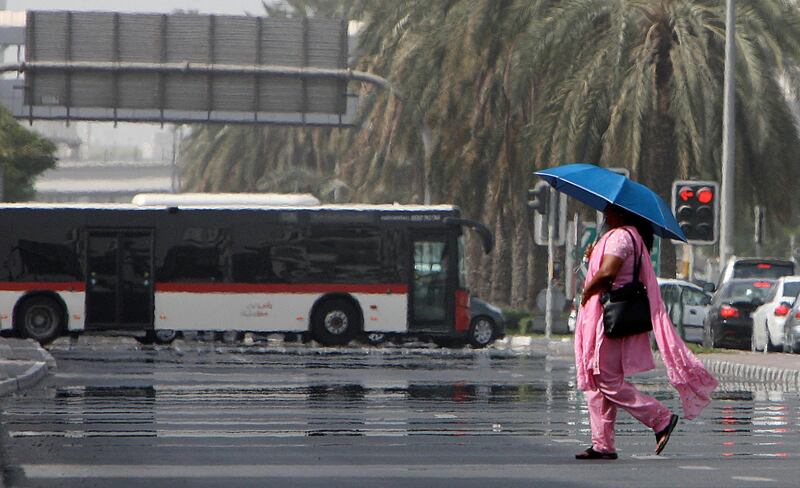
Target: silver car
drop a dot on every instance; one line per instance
(687, 305)
(791, 329)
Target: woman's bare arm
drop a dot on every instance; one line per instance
(602, 280)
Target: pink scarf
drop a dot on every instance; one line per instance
(685, 372)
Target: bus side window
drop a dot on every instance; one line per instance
(203, 256)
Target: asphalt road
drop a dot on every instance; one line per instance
(209, 415)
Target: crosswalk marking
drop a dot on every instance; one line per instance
(383, 471)
(753, 478)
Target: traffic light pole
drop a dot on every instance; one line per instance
(728, 138)
(551, 233)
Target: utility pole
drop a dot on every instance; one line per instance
(758, 228)
(553, 212)
(728, 137)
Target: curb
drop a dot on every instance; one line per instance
(32, 375)
(29, 378)
(787, 378)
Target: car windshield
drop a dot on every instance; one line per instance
(791, 289)
(762, 269)
(748, 290)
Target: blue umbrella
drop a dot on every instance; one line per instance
(599, 188)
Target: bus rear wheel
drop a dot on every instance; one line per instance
(40, 319)
(335, 323)
(164, 336)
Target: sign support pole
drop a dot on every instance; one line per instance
(551, 231)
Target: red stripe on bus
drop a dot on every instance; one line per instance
(388, 288)
(42, 285)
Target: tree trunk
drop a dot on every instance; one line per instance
(659, 151)
(519, 266)
(501, 269)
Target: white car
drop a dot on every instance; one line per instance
(769, 318)
(686, 304)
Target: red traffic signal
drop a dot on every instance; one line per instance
(695, 207)
(686, 194)
(705, 195)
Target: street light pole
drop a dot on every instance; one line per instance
(728, 137)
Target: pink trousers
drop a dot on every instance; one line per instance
(612, 392)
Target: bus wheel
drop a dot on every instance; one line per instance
(335, 323)
(164, 336)
(41, 319)
(481, 332)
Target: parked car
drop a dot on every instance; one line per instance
(729, 322)
(487, 324)
(769, 319)
(686, 304)
(767, 268)
(791, 328)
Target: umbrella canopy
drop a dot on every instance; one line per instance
(599, 188)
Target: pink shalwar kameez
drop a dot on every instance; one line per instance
(602, 363)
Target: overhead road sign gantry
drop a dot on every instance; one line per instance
(184, 68)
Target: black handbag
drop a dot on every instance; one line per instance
(626, 310)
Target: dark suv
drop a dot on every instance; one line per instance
(729, 322)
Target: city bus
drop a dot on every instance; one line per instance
(156, 268)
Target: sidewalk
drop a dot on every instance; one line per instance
(23, 362)
(775, 368)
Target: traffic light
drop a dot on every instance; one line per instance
(539, 197)
(695, 206)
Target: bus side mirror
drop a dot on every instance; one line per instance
(709, 287)
(486, 236)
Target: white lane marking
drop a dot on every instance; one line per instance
(698, 468)
(651, 457)
(753, 478)
(445, 416)
(566, 441)
(382, 471)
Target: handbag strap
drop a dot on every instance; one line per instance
(637, 259)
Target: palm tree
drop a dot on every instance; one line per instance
(642, 89)
(459, 126)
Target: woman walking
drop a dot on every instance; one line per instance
(603, 362)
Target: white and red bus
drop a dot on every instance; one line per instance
(155, 269)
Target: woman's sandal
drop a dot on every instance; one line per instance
(663, 437)
(592, 454)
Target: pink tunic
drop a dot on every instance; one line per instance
(685, 372)
(620, 244)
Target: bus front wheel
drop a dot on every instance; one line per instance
(40, 319)
(335, 323)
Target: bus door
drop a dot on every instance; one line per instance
(119, 288)
(431, 297)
